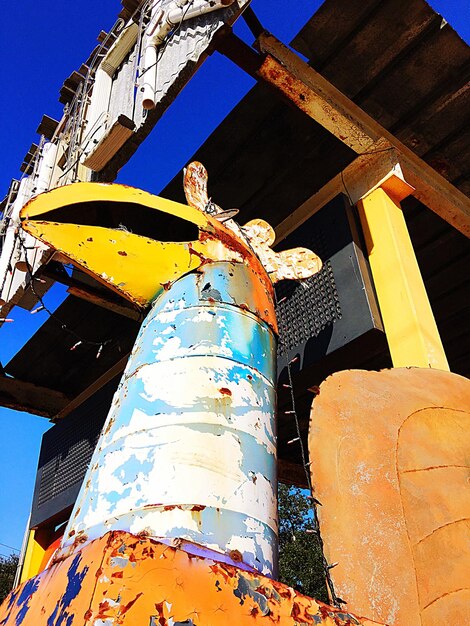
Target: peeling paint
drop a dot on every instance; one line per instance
(166, 587)
(189, 448)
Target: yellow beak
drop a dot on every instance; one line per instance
(132, 241)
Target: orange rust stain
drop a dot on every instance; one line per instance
(225, 391)
(236, 556)
(193, 252)
(122, 253)
(129, 605)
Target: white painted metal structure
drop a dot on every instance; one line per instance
(108, 111)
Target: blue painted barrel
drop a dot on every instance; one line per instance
(188, 451)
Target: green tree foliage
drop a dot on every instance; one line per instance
(7, 574)
(300, 559)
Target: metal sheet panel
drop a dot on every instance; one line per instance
(178, 59)
(122, 89)
(133, 580)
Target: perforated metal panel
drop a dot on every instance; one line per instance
(336, 306)
(318, 300)
(65, 453)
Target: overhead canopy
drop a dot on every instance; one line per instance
(400, 62)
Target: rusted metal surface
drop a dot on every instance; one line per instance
(293, 264)
(317, 106)
(104, 120)
(323, 102)
(188, 450)
(124, 579)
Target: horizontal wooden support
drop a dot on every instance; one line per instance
(80, 290)
(23, 396)
(290, 473)
(318, 98)
(100, 382)
(105, 303)
(365, 173)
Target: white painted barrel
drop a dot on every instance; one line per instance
(188, 450)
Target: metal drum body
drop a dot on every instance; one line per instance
(188, 450)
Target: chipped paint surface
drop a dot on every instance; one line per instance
(294, 264)
(189, 447)
(126, 580)
(188, 450)
(121, 259)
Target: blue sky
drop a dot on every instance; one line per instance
(41, 43)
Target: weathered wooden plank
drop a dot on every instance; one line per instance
(105, 303)
(290, 473)
(357, 179)
(100, 382)
(20, 395)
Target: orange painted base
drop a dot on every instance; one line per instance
(390, 466)
(127, 580)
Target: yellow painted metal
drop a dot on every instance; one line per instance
(411, 330)
(94, 192)
(34, 554)
(135, 266)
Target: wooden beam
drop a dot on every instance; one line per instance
(81, 290)
(23, 396)
(116, 369)
(290, 473)
(365, 173)
(319, 99)
(105, 303)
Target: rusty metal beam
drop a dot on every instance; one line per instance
(20, 395)
(319, 99)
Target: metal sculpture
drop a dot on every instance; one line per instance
(188, 451)
(186, 460)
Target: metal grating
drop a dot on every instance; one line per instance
(331, 309)
(317, 301)
(66, 451)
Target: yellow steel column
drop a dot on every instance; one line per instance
(411, 330)
(34, 554)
